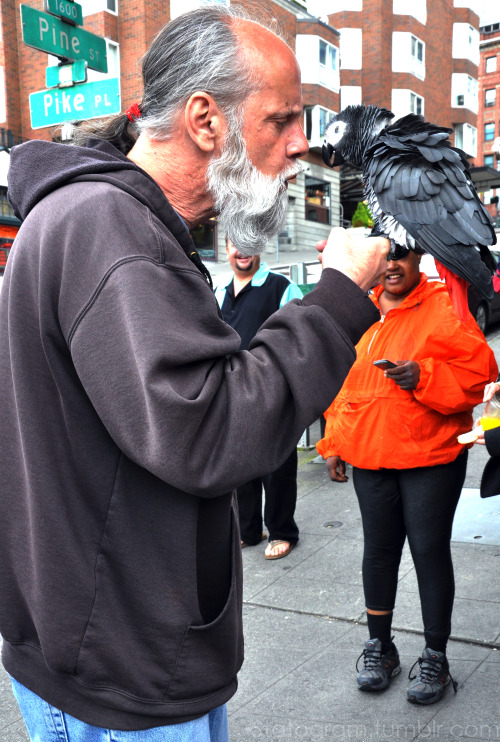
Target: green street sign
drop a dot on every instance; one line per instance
(67, 9)
(51, 35)
(65, 75)
(88, 101)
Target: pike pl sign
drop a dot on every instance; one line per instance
(52, 35)
(87, 101)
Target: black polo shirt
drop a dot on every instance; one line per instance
(260, 298)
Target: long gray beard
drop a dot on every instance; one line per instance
(251, 206)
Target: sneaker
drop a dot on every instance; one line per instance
(428, 686)
(378, 668)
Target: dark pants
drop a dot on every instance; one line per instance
(281, 497)
(418, 504)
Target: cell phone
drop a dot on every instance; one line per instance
(383, 363)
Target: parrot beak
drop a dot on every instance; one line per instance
(330, 156)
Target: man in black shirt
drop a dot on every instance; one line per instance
(252, 295)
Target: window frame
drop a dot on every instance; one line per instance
(487, 126)
(417, 43)
(322, 212)
(490, 103)
(493, 61)
(419, 101)
(328, 49)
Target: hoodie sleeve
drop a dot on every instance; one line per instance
(162, 372)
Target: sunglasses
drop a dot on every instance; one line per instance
(398, 252)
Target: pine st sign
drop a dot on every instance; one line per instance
(50, 34)
(87, 101)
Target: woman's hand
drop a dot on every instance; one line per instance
(336, 469)
(406, 374)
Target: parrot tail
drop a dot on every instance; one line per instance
(457, 289)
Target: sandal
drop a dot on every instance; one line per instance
(273, 544)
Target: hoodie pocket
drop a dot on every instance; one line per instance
(210, 655)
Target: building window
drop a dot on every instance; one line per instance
(489, 132)
(472, 86)
(316, 119)
(317, 200)
(489, 97)
(489, 160)
(204, 237)
(416, 104)
(318, 60)
(408, 54)
(417, 49)
(113, 57)
(327, 55)
(491, 64)
(327, 63)
(466, 139)
(6, 210)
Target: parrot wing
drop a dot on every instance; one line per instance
(425, 185)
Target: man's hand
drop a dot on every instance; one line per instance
(362, 261)
(406, 374)
(336, 469)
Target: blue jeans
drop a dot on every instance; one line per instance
(45, 723)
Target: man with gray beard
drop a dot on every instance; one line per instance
(128, 414)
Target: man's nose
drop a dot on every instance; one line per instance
(297, 145)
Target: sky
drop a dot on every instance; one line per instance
(487, 10)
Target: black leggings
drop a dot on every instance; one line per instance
(419, 504)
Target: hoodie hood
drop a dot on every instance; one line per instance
(38, 167)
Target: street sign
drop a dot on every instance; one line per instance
(51, 35)
(67, 9)
(88, 101)
(65, 75)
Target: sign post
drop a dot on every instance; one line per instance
(66, 75)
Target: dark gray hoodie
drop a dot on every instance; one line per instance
(128, 417)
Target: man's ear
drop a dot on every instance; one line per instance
(205, 123)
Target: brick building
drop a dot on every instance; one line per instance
(410, 56)
(488, 149)
(128, 27)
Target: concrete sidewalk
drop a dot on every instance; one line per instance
(305, 627)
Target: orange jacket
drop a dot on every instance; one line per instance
(373, 424)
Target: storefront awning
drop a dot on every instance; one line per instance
(485, 178)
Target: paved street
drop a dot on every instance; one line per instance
(304, 628)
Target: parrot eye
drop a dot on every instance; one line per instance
(337, 129)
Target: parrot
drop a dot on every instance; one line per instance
(420, 192)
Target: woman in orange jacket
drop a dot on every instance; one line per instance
(398, 427)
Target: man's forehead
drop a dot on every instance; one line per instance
(259, 44)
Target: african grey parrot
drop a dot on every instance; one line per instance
(419, 190)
